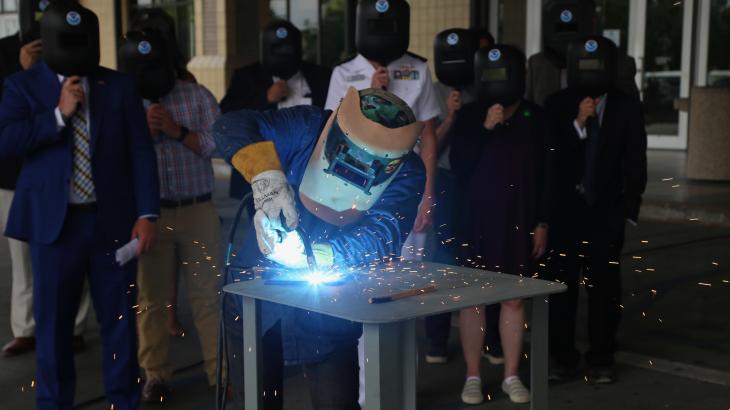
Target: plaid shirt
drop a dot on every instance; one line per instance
(183, 173)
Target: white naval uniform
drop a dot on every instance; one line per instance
(410, 79)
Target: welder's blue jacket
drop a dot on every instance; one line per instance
(309, 337)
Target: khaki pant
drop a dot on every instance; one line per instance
(192, 234)
(21, 298)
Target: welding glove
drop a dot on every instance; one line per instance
(273, 197)
(289, 252)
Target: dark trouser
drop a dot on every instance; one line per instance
(333, 383)
(59, 271)
(438, 327)
(592, 244)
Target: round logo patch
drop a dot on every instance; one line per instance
(591, 46)
(144, 47)
(452, 39)
(494, 54)
(43, 5)
(566, 16)
(382, 6)
(73, 18)
(281, 33)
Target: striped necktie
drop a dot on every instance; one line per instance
(82, 182)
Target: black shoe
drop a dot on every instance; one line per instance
(155, 391)
(437, 355)
(601, 374)
(560, 372)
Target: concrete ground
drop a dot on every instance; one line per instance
(674, 338)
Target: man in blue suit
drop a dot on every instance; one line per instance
(89, 180)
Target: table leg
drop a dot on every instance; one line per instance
(390, 366)
(252, 357)
(539, 354)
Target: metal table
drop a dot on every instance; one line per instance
(390, 328)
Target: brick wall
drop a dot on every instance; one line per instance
(429, 17)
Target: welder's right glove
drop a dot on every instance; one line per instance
(273, 197)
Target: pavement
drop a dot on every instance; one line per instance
(674, 337)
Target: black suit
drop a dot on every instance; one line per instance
(9, 64)
(250, 83)
(248, 89)
(588, 230)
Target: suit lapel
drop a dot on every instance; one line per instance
(97, 106)
(51, 86)
(608, 123)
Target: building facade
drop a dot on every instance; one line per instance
(676, 44)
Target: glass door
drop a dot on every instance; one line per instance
(661, 33)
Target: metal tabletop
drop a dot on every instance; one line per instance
(457, 288)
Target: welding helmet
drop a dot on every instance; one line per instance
(30, 13)
(70, 35)
(499, 72)
(564, 21)
(146, 58)
(453, 57)
(360, 150)
(592, 65)
(281, 49)
(382, 29)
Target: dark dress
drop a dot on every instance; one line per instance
(505, 179)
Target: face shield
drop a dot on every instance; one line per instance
(359, 152)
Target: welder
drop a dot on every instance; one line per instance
(351, 180)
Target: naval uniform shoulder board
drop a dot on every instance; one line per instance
(416, 56)
(346, 59)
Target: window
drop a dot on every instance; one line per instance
(182, 12)
(322, 23)
(9, 6)
(718, 58)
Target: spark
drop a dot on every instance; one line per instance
(704, 284)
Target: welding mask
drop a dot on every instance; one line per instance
(592, 65)
(564, 21)
(499, 72)
(360, 150)
(146, 58)
(281, 49)
(30, 13)
(70, 35)
(453, 52)
(382, 29)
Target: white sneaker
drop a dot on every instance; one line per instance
(472, 392)
(516, 391)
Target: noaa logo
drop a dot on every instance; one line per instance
(43, 5)
(494, 54)
(281, 33)
(73, 18)
(144, 47)
(452, 39)
(591, 46)
(382, 6)
(566, 16)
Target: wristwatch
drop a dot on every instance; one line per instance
(184, 132)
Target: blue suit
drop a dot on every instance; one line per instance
(69, 245)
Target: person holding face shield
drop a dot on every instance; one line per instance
(349, 179)
(601, 147)
(501, 155)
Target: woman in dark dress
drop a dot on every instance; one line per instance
(500, 155)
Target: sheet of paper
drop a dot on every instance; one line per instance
(127, 252)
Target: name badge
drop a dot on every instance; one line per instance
(356, 77)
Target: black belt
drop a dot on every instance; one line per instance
(88, 207)
(169, 203)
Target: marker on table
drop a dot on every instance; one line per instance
(402, 295)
